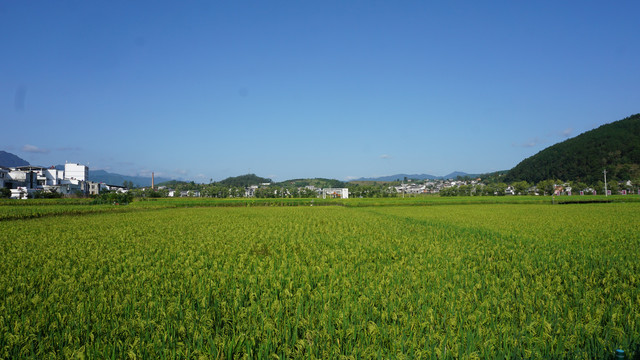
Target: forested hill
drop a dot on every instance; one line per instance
(245, 180)
(317, 182)
(614, 147)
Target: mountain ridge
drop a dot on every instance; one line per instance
(118, 179)
(8, 159)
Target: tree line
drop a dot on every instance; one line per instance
(544, 187)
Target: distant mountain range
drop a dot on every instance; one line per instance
(397, 177)
(117, 179)
(10, 160)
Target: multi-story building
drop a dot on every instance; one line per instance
(76, 172)
(25, 180)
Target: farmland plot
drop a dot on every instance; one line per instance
(472, 281)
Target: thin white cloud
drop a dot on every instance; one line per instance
(385, 156)
(349, 178)
(34, 149)
(549, 137)
(566, 132)
(531, 143)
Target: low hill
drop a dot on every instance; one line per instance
(614, 146)
(8, 159)
(317, 182)
(244, 180)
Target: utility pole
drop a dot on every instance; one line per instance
(405, 179)
(605, 183)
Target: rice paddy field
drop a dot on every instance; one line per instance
(156, 280)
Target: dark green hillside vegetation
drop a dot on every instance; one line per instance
(172, 183)
(244, 180)
(317, 182)
(180, 185)
(614, 146)
(492, 177)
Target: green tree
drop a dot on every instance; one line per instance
(113, 197)
(265, 192)
(521, 187)
(578, 186)
(41, 194)
(546, 187)
(599, 188)
(490, 189)
(450, 191)
(465, 190)
(5, 193)
(501, 188)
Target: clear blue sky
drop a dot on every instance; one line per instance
(289, 89)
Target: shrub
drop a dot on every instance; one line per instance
(113, 198)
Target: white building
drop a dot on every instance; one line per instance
(250, 191)
(341, 193)
(94, 187)
(117, 188)
(26, 180)
(73, 186)
(20, 193)
(411, 189)
(76, 172)
(53, 176)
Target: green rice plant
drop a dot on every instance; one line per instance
(473, 281)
